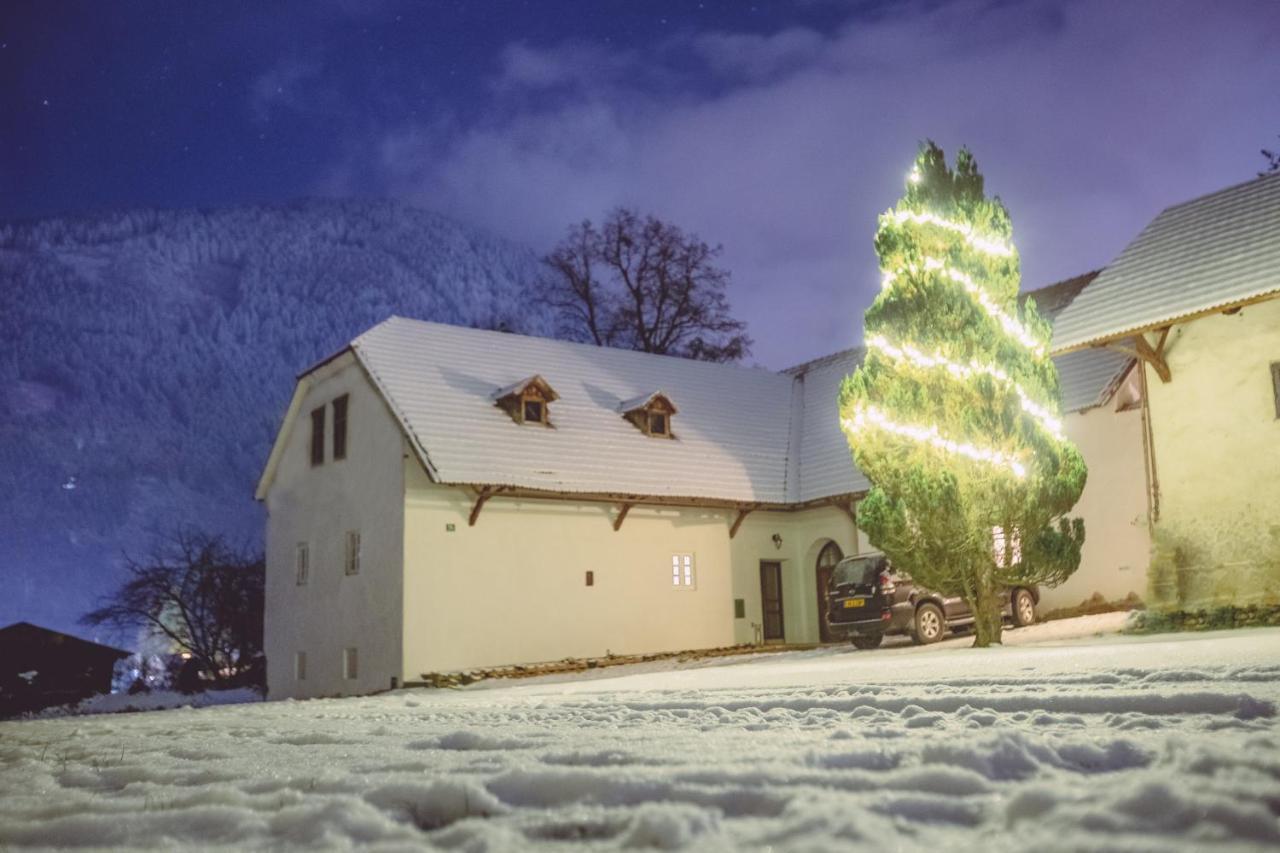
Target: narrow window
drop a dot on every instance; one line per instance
(350, 663)
(657, 423)
(682, 572)
(353, 552)
(591, 578)
(1275, 384)
(300, 666)
(533, 411)
(340, 427)
(302, 563)
(317, 436)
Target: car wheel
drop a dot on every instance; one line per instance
(868, 641)
(929, 624)
(1024, 608)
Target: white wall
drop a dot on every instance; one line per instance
(803, 533)
(512, 589)
(1117, 544)
(1217, 456)
(318, 505)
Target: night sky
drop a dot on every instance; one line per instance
(777, 129)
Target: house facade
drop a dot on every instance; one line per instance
(1195, 299)
(442, 498)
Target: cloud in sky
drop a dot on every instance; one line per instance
(1086, 118)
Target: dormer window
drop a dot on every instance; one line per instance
(527, 401)
(650, 413)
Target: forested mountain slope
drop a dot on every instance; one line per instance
(146, 359)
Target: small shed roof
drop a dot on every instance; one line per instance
(1203, 255)
(27, 635)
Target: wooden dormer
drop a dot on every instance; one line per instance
(651, 414)
(527, 401)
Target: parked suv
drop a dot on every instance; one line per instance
(868, 599)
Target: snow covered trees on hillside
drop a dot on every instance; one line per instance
(953, 415)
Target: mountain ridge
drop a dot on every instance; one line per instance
(148, 356)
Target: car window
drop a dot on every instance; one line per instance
(854, 571)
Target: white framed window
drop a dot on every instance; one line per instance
(1002, 543)
(683, 573)
(350, 663)
(353, 552)
(300, 666)
(302, 564)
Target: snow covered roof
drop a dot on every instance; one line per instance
(1203, 255)
(747, 435)
(440, 379)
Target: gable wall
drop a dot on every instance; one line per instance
(318, 505)
(1217, 454)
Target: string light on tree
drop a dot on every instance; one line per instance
(953, 413)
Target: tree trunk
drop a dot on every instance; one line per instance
(987, 618)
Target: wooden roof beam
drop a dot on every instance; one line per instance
(623, 509)
(743, 512)
(847, 507)
(1144, 351)
(482, 497)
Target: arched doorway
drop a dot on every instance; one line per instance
(827, 559)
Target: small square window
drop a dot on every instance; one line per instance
(534, 411)
(302, 564)
(657, 423)
(353, 552)
(300, 666)
(682, 572)
(350, 663)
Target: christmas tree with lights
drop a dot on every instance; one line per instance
(953, 415)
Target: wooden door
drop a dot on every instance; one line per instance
(827, 559)
(771, 600)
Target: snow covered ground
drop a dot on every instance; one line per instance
(1064, 739)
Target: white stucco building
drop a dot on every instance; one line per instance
(1195, 298)
(442, 498)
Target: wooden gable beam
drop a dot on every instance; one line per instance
(623, 509)
(742, 515)
(1144, 351)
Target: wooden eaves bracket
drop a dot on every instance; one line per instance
(743, 512)
(482, 497)
(847, 507)
(623, 509)
(1144, 351)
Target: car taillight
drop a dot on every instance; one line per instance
(886, 583)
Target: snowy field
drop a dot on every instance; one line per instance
(1062, 740)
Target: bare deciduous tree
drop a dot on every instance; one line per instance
(644, 284)
(203, 597)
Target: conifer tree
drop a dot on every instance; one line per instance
(953, 415)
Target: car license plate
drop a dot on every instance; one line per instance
(854, 602)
